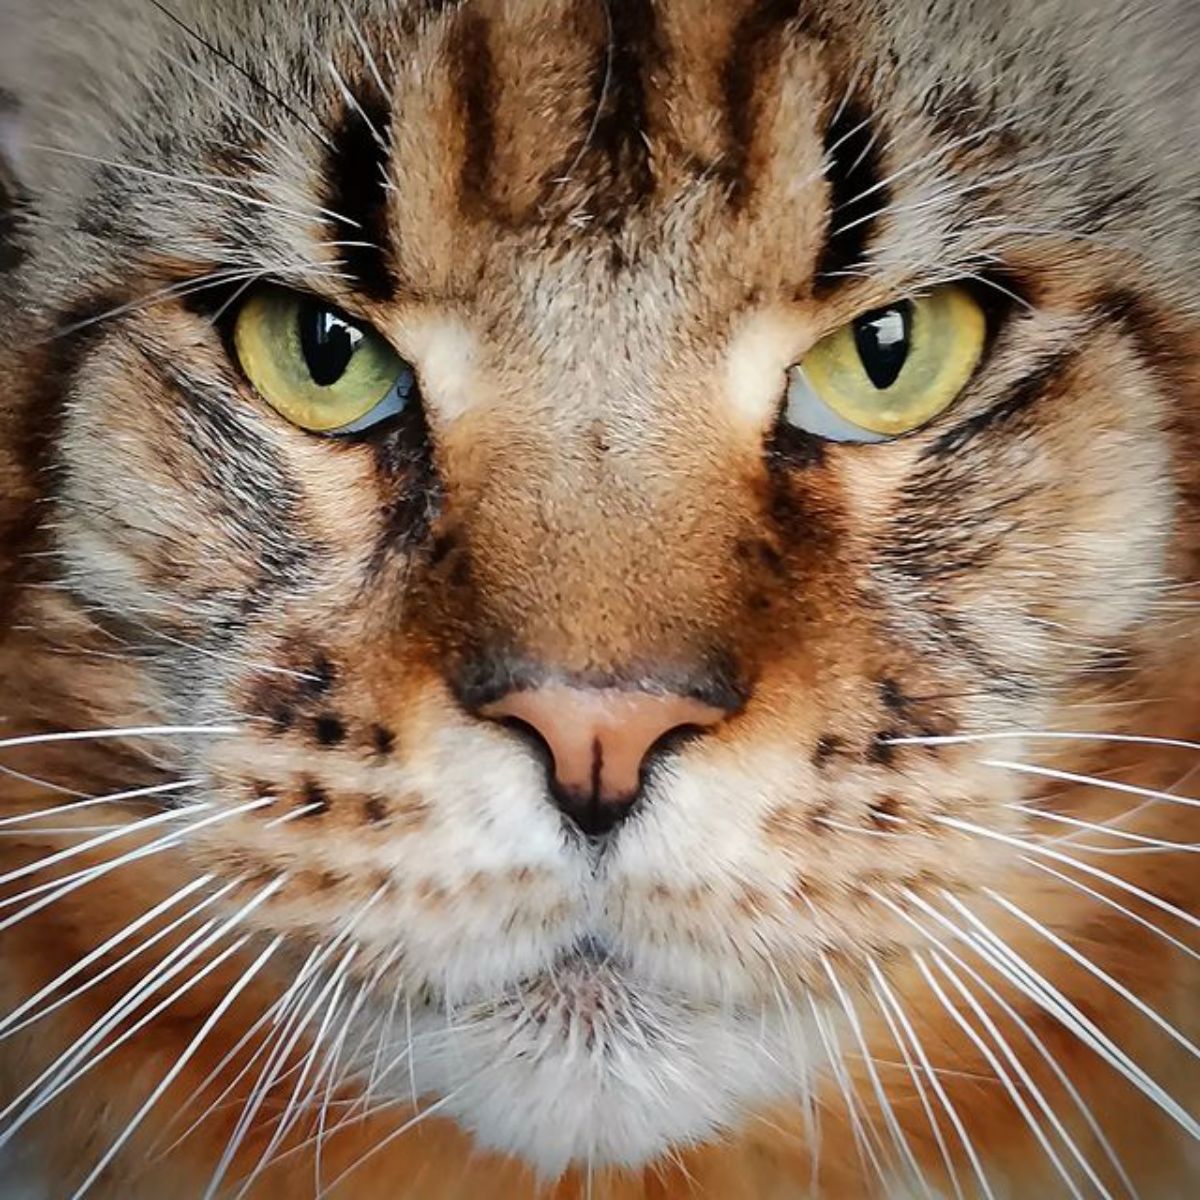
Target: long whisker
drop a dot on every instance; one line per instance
(92, 801)
(1096, 894)
(290, 1033)
(79, 1060)
(56, 889)
(328, 999)
(246, 74)
(384, 1142)
(1001, 1074)
(962, 739)
(10, 1025)
(918, 1085)
(1043, 851)
(132, 731)
(886, 991)
(885, 1105)
(861, 1131)
(1099, 973)
(272, 1013)
(1031, 983)
(1049, 1059)
(158, 818)
(1112, 785)
(1109, 830)
(184, 1058)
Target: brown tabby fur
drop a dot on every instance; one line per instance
(607, 232)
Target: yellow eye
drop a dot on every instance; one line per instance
(316, 367)
(889, 371)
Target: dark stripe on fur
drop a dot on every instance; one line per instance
(621, 127)
(30, 426)
(475, 77)
(410, 490)
(754, 42)
(12, 249)
(852, 169)
(356, 173)
(1018, 399)
(239, 475)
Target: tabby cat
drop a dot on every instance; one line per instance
(598, 598)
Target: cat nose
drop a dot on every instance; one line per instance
(599, 740)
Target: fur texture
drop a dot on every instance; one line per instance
(918, 919)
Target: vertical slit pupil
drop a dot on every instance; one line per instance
(328, 342)
(883, 339)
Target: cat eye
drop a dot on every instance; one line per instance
(889, 371)
(317, 367)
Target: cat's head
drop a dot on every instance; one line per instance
(602, 466)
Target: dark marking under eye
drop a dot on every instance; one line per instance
(383, 739)
(356, 175)
(1020, 397)
(789, 446)
(853, 170)
(410, 488)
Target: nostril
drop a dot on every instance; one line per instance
(530, 736)
(598, 742)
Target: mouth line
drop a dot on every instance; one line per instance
(589, 949)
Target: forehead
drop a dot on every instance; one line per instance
(578, 154)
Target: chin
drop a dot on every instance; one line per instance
(582, 1065)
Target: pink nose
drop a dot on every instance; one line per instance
(599, 740)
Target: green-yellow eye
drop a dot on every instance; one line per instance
(316, 367)
(889, 371)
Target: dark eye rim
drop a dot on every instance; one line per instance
(220, 304)
(998, 291)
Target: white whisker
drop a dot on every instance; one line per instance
(183, 1059)
(997, 1068)
(934, 1082)
(1111, 785)
(1057, 856)
(1099, 973)
(92, 801)
(7, 1029)
(1096, 894)
(133, 731)
(50, 860)
(962, 739)
(1036, 1042)
(1101, 827)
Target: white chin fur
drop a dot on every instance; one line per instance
(585, 1069)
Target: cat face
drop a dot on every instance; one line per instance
(590, 708)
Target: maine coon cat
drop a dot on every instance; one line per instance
(598, 599)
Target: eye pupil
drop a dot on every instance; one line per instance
(328, 342)
(883, 340)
